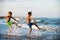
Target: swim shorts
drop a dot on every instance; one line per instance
(9, 23)
(30, 25)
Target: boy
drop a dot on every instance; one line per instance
(28, 20)
(8, 21)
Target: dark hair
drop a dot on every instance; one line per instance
(10, 12)
(29, 13)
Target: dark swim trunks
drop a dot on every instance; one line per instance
(30, 25)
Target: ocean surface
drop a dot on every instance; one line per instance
(21, 33)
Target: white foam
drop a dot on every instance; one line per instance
(15, 31)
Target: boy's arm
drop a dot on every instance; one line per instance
(32, 18)
(15, 19)
(3, 16)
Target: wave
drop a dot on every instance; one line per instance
(45, 29)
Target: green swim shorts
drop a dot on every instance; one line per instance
(9, 23)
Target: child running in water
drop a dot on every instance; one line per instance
(28, 19)
(8, 21)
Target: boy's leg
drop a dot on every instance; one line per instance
(10, 29)
(36, 25)
(30, 26)
(29, 32)
(16, 24)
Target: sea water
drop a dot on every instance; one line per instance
(21, 33)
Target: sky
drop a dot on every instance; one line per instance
(39, 8)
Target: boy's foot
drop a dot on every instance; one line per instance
(10, 31)
(28, 35)
(20, 26)
(42, 29)
(39, 28)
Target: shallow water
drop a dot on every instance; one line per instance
(21, 33)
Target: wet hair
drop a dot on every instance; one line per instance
(29, 13)
(10, 12)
